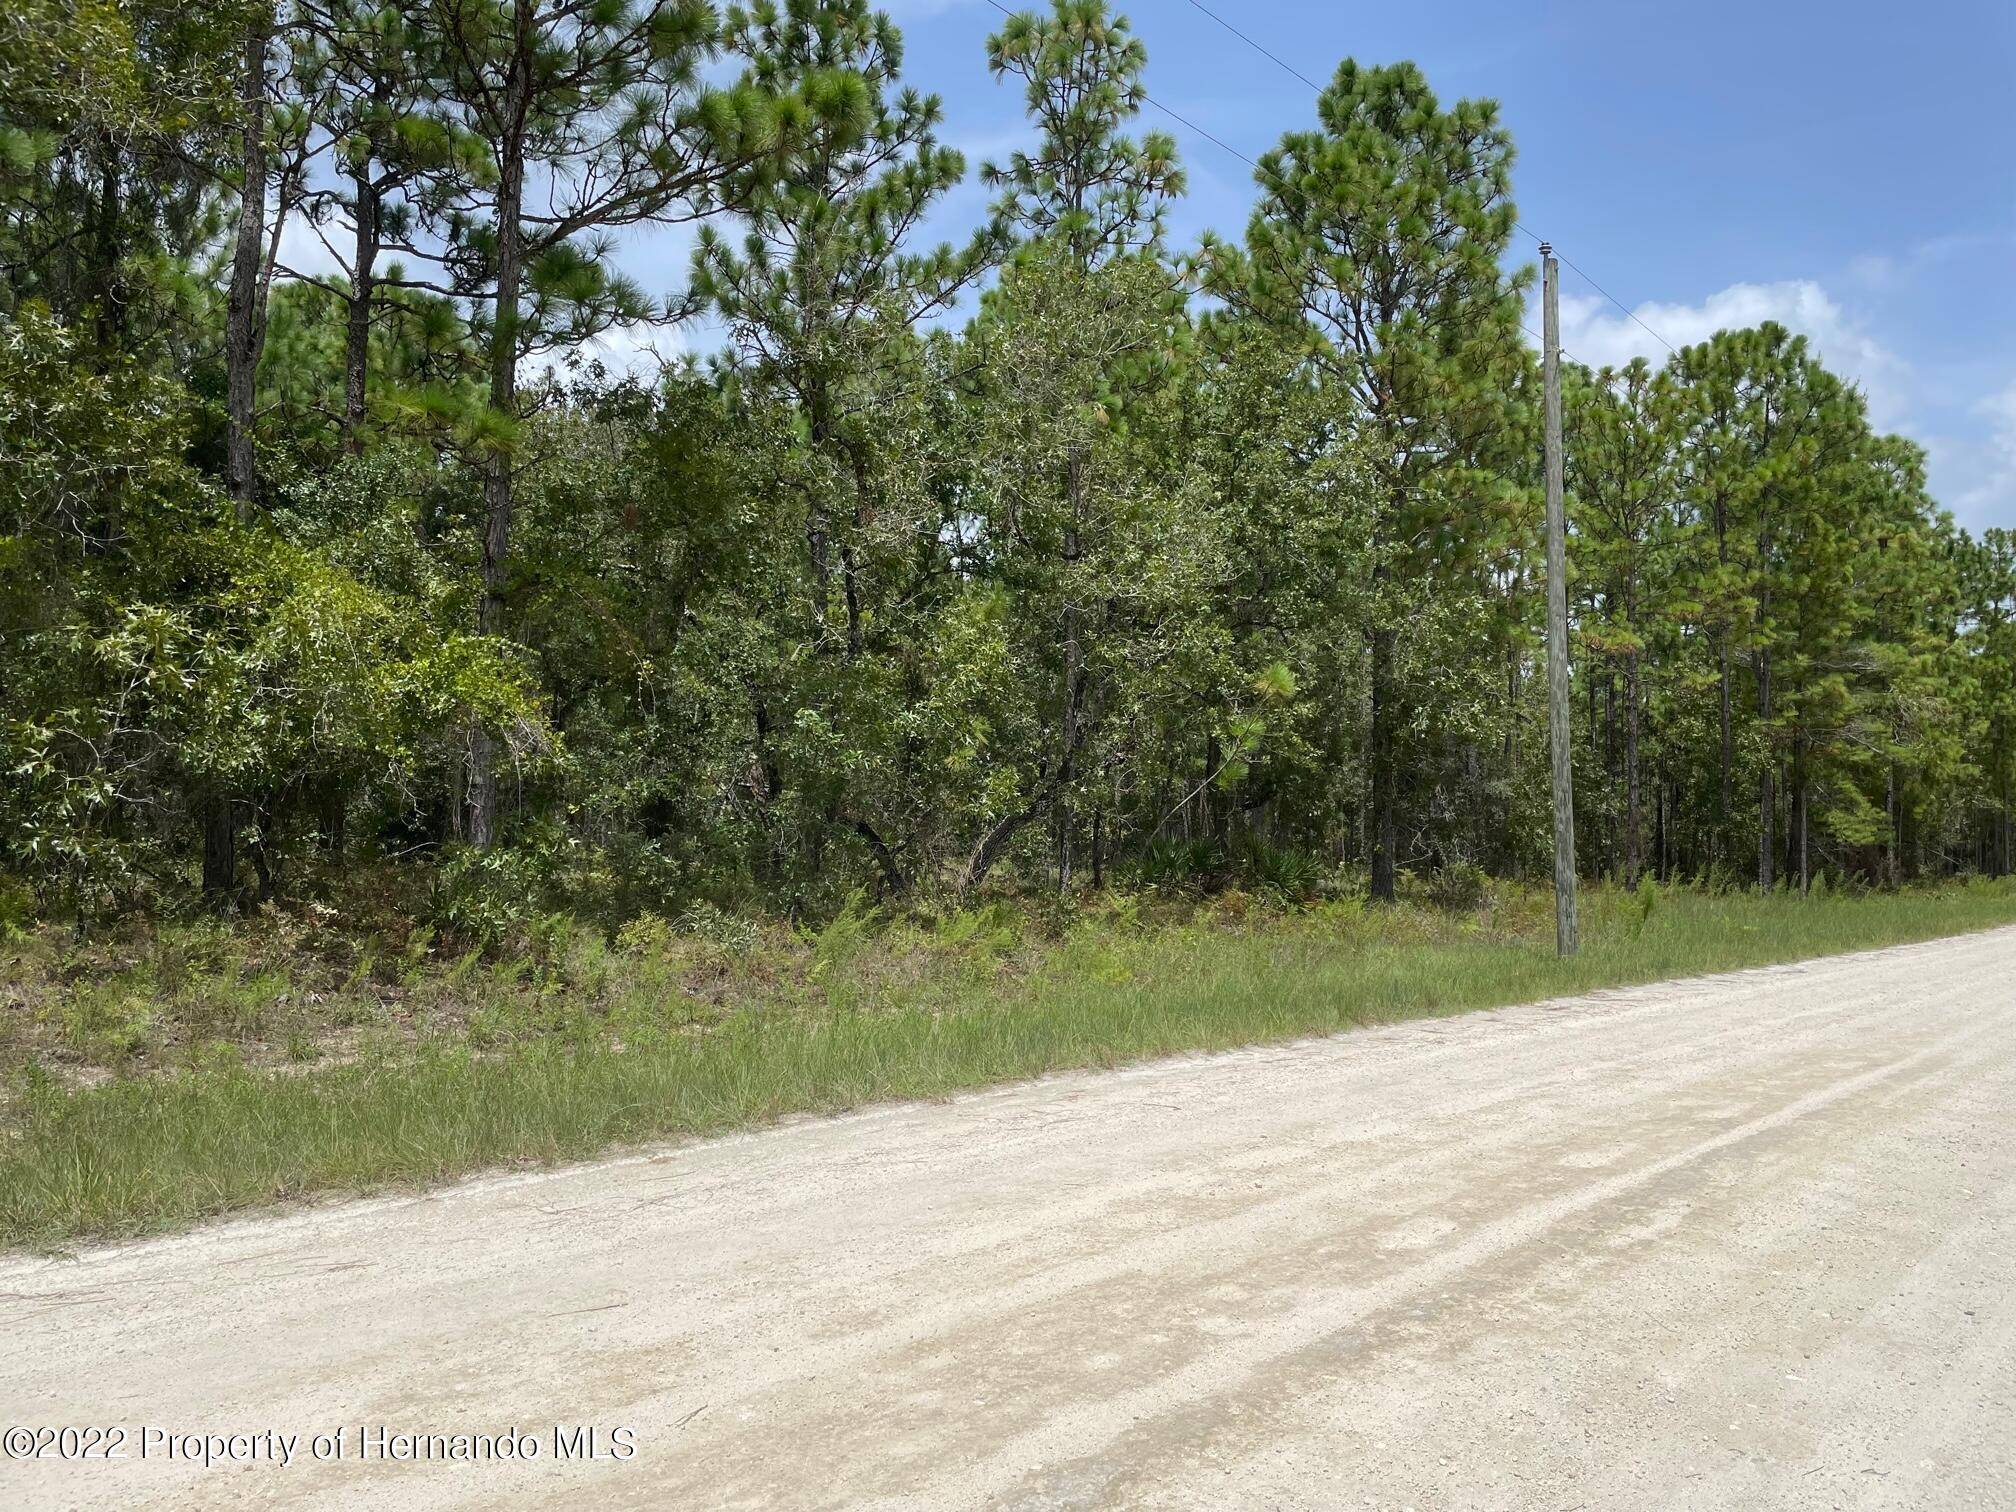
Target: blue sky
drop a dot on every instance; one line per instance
(1844, 168)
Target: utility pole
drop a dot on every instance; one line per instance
(1565, 940)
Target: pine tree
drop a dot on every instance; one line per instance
(1094, 195)
(595, 117)
(823, 299)
(1378, 241)
(366, 73)
(1621, 487)
(1088, 185)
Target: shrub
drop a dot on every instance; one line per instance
(727, 932)
(494, 897)
(1283, 871)
(1458, 886)
(1170, 861)
(17, 908)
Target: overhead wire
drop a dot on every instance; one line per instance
(1297, 73)
(1261, 170)
(1271, 57)
(1227, 147)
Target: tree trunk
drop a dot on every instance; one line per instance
(894, 882)
(988, 851)
(818, 523)
(1725, 799)
(357, 324)
(1072, 631)
(244, 315)
(1610, 771)
(1662, 836)
(220, 851)
(850, 591)
(259, 851)
(110, 319)
(818, 535)
(1767, 806)
(332, 822)
(1509, 847)
(850, 580)
(1996, 745)
(1796, 824)
(498, 472)
(1805, 858)
(1633, 842)
(1890, 835)
(1385, 830)
(1788, 859)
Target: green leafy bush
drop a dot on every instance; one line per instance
(1171, 861)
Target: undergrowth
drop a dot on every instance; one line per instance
(175, 1071)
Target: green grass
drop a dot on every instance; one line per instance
(145, 1152)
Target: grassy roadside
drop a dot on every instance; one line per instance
(842, 1027)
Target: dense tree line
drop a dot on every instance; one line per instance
(1040, 556)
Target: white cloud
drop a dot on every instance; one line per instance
(1596, 332)
(1984, 470)
(641, 351)
(1875, 272)
(306, 249)
(1970, 446)
(2000, 411)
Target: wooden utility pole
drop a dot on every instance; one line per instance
(1565, 940)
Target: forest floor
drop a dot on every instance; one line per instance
(166, 1072)
(1743, 1241)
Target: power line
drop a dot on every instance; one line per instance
(1257, 47)
(1226, 147)
(1180, 120)
(1620, 305)
(1297, 73)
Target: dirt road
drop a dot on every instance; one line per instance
(1747, 1241)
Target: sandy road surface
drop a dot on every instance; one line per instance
(1747, 1241)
